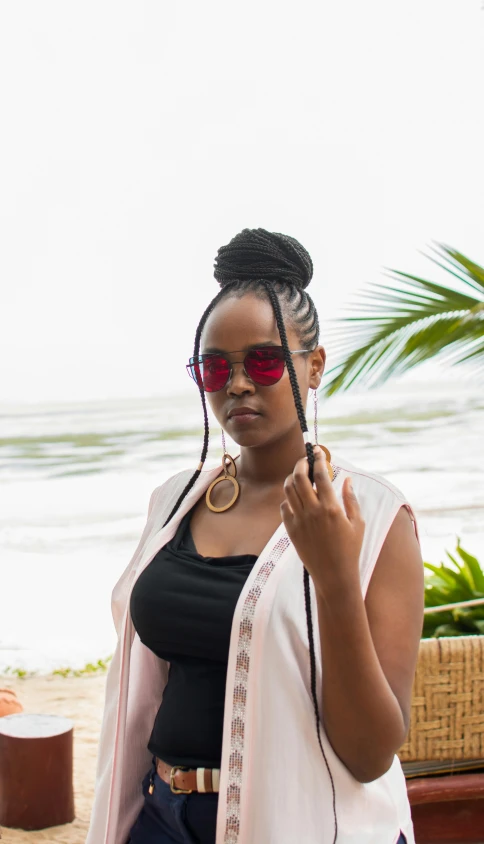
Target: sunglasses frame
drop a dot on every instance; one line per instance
(199, 359)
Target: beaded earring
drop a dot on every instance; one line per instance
(323, 447)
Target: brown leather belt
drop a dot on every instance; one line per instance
(184, 780)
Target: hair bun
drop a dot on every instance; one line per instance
(259, 254)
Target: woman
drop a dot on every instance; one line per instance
(250, 583)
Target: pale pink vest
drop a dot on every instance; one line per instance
(274, 784)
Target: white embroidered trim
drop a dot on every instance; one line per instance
(236, 758)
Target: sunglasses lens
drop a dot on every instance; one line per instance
(193, 370)
(265, 366)
(210, 373)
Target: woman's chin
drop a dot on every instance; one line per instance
(249, 439)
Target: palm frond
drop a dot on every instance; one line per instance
(403, 326)
(456, 260)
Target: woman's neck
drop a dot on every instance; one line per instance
(272, 463)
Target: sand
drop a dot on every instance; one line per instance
(82, 700)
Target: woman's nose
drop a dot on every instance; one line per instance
(239, 382)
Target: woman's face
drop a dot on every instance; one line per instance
(240, 323)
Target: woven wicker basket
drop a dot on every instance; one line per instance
(447, 717)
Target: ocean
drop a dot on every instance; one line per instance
(77, 477)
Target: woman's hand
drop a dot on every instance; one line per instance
(327, 538)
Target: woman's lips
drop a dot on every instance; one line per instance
(243, 418)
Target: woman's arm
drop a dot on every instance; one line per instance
(369, 654)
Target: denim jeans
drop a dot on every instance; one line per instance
(168, 818)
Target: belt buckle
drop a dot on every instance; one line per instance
(175, 790)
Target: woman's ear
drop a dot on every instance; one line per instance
(318, 362)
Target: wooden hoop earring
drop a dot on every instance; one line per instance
(328, 461)
(232, 501)
(229, 464)
(225, 477)
(329, 465)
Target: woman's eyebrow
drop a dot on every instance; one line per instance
(213, 350)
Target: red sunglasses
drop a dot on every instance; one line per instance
(264, 366)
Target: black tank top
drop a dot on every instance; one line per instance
(182, 606)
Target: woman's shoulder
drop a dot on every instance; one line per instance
(364, 480)
(169, 487)
(174, 485)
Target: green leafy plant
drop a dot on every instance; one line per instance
(409, 322)
(458, 583)
(99, 667)
(18, 672)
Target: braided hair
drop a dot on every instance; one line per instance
(276, 267)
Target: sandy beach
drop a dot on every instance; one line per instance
(81, 699)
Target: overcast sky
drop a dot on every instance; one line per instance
(136, 138)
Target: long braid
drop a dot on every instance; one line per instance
(310, 454)
(203, 455)
(241, 266)
(291, 372)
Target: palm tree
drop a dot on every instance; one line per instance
(409, 323)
